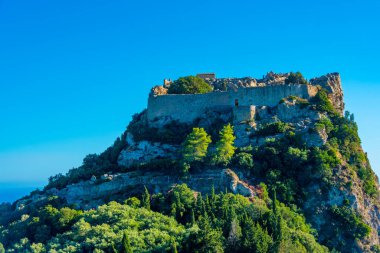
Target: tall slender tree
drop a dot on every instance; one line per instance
(277, 224)
(195, 145)
(174, 246)
(225, 148)
(146, 199)
(126, 244)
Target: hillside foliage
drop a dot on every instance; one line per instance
(180, 220)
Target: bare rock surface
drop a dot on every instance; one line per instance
(145, 151)
(332, 83)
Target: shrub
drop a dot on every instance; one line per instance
(323, 103)
(272, 129)
(324, 123)
(189, 85)
(325, 160)
(353, 224)
(173, 132)
(295, 78)
(299, 101)
(243, 160)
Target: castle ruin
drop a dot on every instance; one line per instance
(241, 95)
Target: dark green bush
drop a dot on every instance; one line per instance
(272, 129)
(353, 224)
(323, 103)
(189, 85)
(172, 133)
(324, 123)
(325, 160)
(243, 160)
(295, 78)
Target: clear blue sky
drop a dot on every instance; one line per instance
(73, 72)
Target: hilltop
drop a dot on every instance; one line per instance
(271, 164)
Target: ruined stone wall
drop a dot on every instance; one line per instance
(187, 107)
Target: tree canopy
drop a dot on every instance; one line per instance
(296, 77)
(189, 85)
(225, 146)
(195, 146)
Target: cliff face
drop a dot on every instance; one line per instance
(293, 144)
(98, 191)
(332, 83)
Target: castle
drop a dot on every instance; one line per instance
(241, 95)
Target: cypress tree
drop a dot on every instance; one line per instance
(113, 248)
(277, 224)
(146, 199)
(174, 247)
(126, 244)
(193, 222)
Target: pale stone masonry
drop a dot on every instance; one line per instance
(239, 95)
(187, 107)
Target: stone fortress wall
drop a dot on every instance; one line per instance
(187, 107)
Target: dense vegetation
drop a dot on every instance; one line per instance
(180, 221)
(189, 85)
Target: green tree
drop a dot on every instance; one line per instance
(189, 85)
(2, 250)
(225, 146)
(146, 199)
(255, 238)
(193, 222)
(174, 246)
(277, 225)
(206, 238)
(113, 249)
(295, 78)
(126, 244)
(234, 235)
(195, 146)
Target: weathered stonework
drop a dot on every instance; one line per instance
(238, 93)
(188, 107)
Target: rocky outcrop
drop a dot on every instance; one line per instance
(332, 83)
(223, 84)
(92, 193)
(145, 151)
(236, 185)
(290, 111)
(159, 90)
(318, 204)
